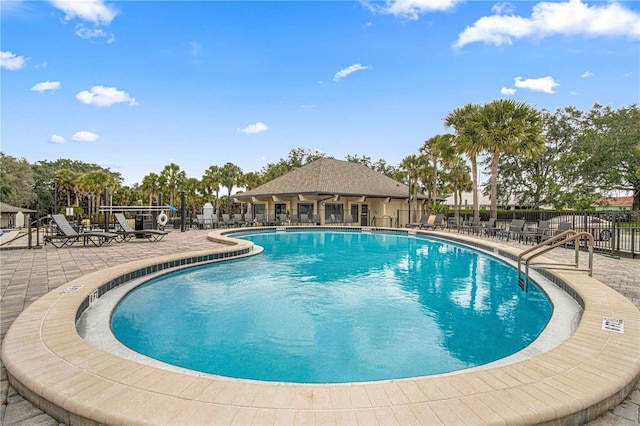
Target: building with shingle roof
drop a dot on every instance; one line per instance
(12, 216)
(335, 191)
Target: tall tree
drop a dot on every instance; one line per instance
(437, 150)
(467, 143)
(611, 138)
(506, 126)
(211, 181)
(171, 177)
(232, 175)
(150, 186)
(17, 183)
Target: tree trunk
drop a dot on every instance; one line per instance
(474, 181)
(494, 184)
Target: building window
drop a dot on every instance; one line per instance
(333, 209)
(259, 209)
(305, 209)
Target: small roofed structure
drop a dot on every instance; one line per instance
(12, 216)
(331, 190)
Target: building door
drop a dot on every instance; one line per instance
(364, 215)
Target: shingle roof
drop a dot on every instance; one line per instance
(8, 208)
(614, 201)
(327, 176)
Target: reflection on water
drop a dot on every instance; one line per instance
(335, 307)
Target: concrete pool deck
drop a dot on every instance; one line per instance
(592, 367)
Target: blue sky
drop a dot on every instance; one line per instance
(136, 85)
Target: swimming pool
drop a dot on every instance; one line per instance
(331, 307)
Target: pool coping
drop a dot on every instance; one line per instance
(54, 368)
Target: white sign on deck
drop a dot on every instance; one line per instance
(72, 289)
(613, 324)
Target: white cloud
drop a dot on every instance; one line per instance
(56, 139)
(587, 74)
(508, 91)
(84, 136)
(544, 84)
(104, 96)
(252, 129)
(10, 61)
(88, 33)
(307, 106)
(95, 11)
(349, 70)
(547, 19)
(411, 9)
(46, 85)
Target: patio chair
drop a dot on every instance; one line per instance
(282, 219)
(348, 219)
(437, 223)
(294, 219)
(215, 221)
(492, 230)
(470, 226)
(248, 219)
(316, 219)
(304, 218)
(237, 219)
(67, 236)
(562, 227)
(226, 220)
(127, 232)
(515, 230)
(271, 220)
(536, 234)
(260, 219)
(423, 221)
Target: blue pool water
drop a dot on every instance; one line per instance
(329, 307)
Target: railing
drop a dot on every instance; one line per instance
(551, 244)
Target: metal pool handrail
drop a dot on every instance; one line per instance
(550, 244)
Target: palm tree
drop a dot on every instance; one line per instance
(150, 186)
(170, 178)
(437, 149)
(233, 177)
(67, 183)
(506, 126)
(415, 169)
(466, 143)
(212, 180)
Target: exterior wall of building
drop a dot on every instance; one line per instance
(379, 211)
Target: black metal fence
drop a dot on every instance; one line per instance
(616, 233)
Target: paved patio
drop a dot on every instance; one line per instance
(26, 275)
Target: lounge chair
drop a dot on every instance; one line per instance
(304, 218)
(271, 220)
(437, 223)
(237, 219)
(215, 221)
(126, 232)
(260, 219)
(316, 219)
(67, 236)
(248, 219)
(423, 221)
(294, 219)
